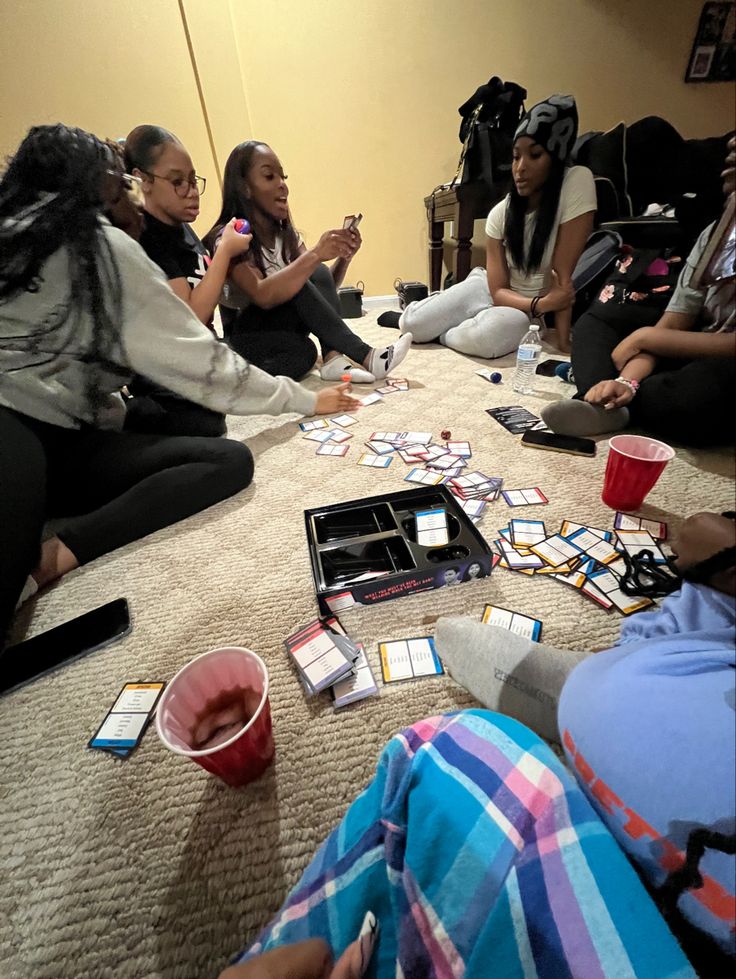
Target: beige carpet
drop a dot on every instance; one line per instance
(149, 867)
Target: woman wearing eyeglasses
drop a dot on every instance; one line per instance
(171, 192)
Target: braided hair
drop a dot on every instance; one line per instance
(236, 205)
(51, 196)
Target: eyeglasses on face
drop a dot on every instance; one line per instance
(131, 185)
(182, 185)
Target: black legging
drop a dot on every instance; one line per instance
(114, 488)
(277, 340)
(687, 401)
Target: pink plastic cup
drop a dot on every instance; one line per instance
(634, 465)
(243, 757)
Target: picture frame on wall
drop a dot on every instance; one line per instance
(713, 55)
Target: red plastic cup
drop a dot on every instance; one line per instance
(634, 465)
(209, 677)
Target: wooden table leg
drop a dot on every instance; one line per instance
(436, 234)
(464, 241)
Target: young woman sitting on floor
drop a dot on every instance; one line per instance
(477, 855)
(82, 309)
(648, 728)
(281, 291)
(171, 193)
(675, 379)
(535, 237)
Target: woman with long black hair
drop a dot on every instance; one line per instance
(535, 237)
(282, 291)
(82, 309)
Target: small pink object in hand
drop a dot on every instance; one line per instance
(242, 226)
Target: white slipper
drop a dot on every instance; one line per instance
(383, 360)
(334, 369)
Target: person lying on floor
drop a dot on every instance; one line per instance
(171, 191)
(82, 309)
(477, 855)
(535, 237)
(281, 291)
(674, 379)
(649, 728)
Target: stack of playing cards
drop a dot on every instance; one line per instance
(326, 657)
(476, 486)
(121, 731)
(585, 558)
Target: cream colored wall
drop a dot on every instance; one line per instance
(359, 97)
(103, 65)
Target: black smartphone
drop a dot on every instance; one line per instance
(558, 443)
(546, 368)
(45, 652)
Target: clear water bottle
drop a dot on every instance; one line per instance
(527, 358)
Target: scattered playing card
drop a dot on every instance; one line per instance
(328, 449)
(524, 533)
(370, 399)
(337, 435)
(627, 521)
(344, 421)
(376, 461)
(461, 449)
(556, 550)
(406, 659)
(323, 435)
(515, 419)
(317, 423)
(424, 476)
(524, 497)
(380, 448)
(522, 625)
(388, 389)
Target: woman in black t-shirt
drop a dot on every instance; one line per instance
(171, 200)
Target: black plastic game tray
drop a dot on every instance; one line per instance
(366, 551)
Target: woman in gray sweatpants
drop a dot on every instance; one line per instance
(465, 319)
(534, 238)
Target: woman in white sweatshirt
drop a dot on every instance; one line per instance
(82, 309)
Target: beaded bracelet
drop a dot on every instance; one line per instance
(630, 383)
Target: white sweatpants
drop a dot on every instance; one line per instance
(464, 318)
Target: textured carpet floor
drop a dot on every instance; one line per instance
(149, 867)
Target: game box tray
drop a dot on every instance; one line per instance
(366, 551)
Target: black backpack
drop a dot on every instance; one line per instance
(489, 120)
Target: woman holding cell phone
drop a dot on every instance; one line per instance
(281, 291)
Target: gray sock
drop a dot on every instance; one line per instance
(574, 417)
(506, 672)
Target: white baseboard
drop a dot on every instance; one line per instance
(370, 302)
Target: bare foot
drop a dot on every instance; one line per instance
(56, 561)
